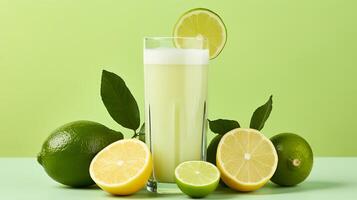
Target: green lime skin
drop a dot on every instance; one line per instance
(197, 191)
(212, 149)
(68, 151)
(295, 159)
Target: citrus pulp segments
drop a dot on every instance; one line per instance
(202, 23)
(123, 167)
(197, 178)
(246, 159)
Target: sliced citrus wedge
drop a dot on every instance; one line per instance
(246, 159)
(202, 23)
(197, 178)
(123, 167)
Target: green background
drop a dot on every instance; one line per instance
(301, 51)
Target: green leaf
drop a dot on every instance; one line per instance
(261, 115)
(222, 126)
(141, 133)
(119, 101)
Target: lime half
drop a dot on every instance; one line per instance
(202, 23)
(197, 178)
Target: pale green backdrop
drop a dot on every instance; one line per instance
(302, 51)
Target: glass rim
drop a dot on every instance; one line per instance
(173, 37)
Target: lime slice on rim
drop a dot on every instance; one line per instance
(197, 178)
(202, 23)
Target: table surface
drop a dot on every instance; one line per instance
(331, 178)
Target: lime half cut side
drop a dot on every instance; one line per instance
(202, 23)
(197, 178)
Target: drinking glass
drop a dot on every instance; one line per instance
(175, 70)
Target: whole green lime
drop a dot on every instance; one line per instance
(212, 149)
(295, 159)
(68, 151)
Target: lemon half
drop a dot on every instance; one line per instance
(246, 159)
(123, 167)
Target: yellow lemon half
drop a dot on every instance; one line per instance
(246, 159)
(123, 167)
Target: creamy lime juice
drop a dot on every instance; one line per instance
(175, 107)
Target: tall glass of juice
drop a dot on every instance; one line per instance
(175, 71)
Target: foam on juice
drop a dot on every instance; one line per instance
(176, 56)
